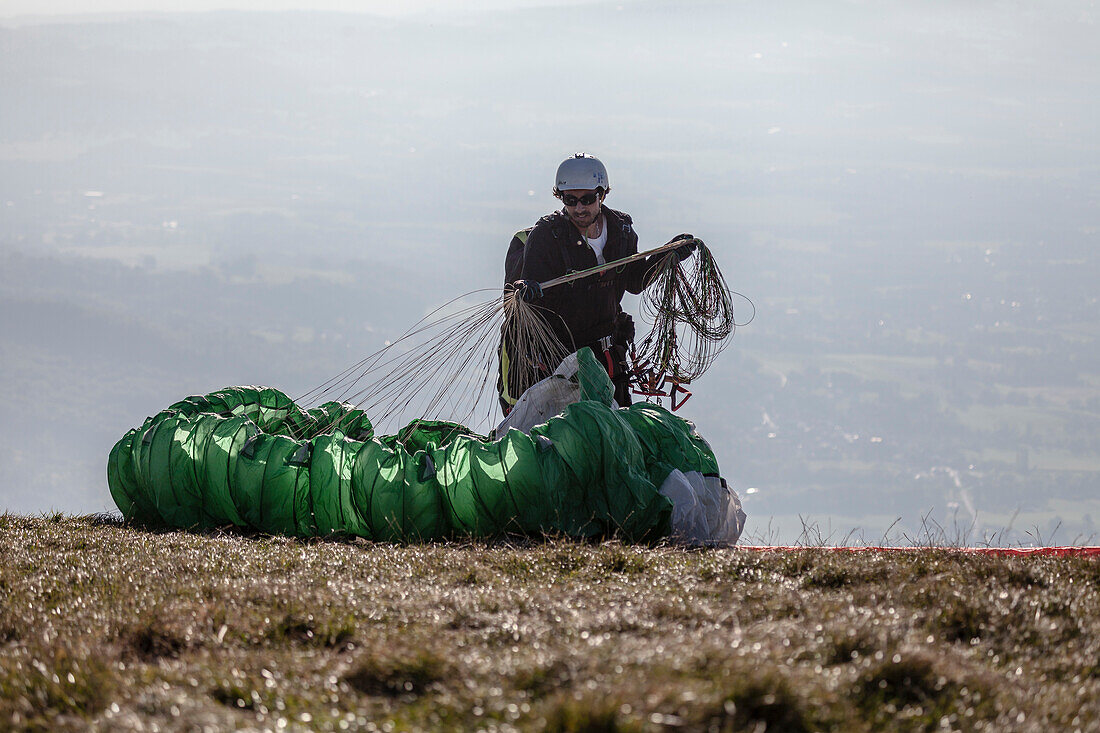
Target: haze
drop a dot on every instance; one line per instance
(908, 193)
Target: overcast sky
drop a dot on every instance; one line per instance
(10, 8)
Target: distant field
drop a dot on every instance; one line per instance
(1046, 460)
(118, 629)
(1020, 418)
(879, 367)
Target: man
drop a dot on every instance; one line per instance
(585, 312)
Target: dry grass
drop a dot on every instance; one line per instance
(113, 628)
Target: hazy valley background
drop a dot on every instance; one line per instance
(908, 192)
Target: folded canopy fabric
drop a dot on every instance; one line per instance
(251, 457)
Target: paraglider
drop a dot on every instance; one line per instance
(252, 457)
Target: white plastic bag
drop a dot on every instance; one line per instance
(544, 399)
(705, 511)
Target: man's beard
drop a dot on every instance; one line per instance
(583, 224)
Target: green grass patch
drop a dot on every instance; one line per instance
(55, 687)
(394, 674)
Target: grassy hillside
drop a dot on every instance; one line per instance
(123, 629)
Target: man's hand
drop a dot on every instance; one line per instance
(622, 333)
(528, 290)
(684, 251)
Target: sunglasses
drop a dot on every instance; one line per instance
(570, 200)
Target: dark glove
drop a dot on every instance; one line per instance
(528, 290)
(623, 331)
(684, 251)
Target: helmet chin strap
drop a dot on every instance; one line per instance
(599, 228)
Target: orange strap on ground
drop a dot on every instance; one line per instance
(1008, 551)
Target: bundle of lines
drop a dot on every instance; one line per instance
(445, 366)
(692, 315)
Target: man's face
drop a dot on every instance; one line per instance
(581, 214)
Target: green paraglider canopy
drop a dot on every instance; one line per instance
(251, 457)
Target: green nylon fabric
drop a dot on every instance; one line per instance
(250, 457)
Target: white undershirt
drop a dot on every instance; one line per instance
(598, 243)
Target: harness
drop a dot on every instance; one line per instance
(615, 351)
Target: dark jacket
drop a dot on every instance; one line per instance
(583, 311)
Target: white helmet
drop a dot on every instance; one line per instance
(581, 171)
